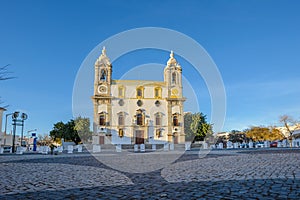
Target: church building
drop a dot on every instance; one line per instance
(138, 111)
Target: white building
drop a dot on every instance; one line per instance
(137, 111)
(295, 128)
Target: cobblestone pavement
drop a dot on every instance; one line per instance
(223, 174)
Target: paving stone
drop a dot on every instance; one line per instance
(219, 175)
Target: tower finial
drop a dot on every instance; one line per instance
(172, 54)
(103, 57)
(172, 60)
(104, 50)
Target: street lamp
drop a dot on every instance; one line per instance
(18, 122)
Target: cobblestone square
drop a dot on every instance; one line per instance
(221, 174)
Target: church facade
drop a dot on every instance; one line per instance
(138, 111)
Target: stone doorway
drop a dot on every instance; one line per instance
(175, 138)
(101, 139)
(139, 137)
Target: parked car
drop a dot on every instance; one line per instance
(273, 144)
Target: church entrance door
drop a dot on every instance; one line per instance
(101, 139)
(139, 137)
(175, 138)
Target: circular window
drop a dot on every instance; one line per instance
(139, 103)
(121, 102)
(157, 103)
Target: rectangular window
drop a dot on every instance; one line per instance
(157, 92)
(121, 92)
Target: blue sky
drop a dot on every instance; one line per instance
(255, 45)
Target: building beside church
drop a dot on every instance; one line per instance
(138, 111)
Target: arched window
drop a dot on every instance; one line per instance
(102, 119)
(139, 118)
(103, 75)
(139, 92)
(121, 119)
(158, 119)
(174, 78)
(175, 120)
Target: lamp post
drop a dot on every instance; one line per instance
(18, 122)
(23, 117)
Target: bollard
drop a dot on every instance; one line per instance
(79, 148)
(19, 150)
(250, 144)
(187, 146)
(229, 145)
(153, 147)
(220, 146)
(119, 148)
(236, 145)
(70, 148)
(166, 147)
(142, 147)
(136, 148)
(171, 146)
(96, 148)
(266, 144)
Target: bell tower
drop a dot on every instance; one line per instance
(103, 70)
(173, 77)
(175, 100)
(102, 98)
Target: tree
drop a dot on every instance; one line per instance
(221, 139)
(4, 75)
(82, 126)
(189, 135)
(200, 127)
(65, 131)
(257, 133)
(58, 131)
(44, 140)
(276, 134)
(290, 124)
(237, 136)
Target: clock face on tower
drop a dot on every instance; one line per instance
(102, 89)
(175, 91)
